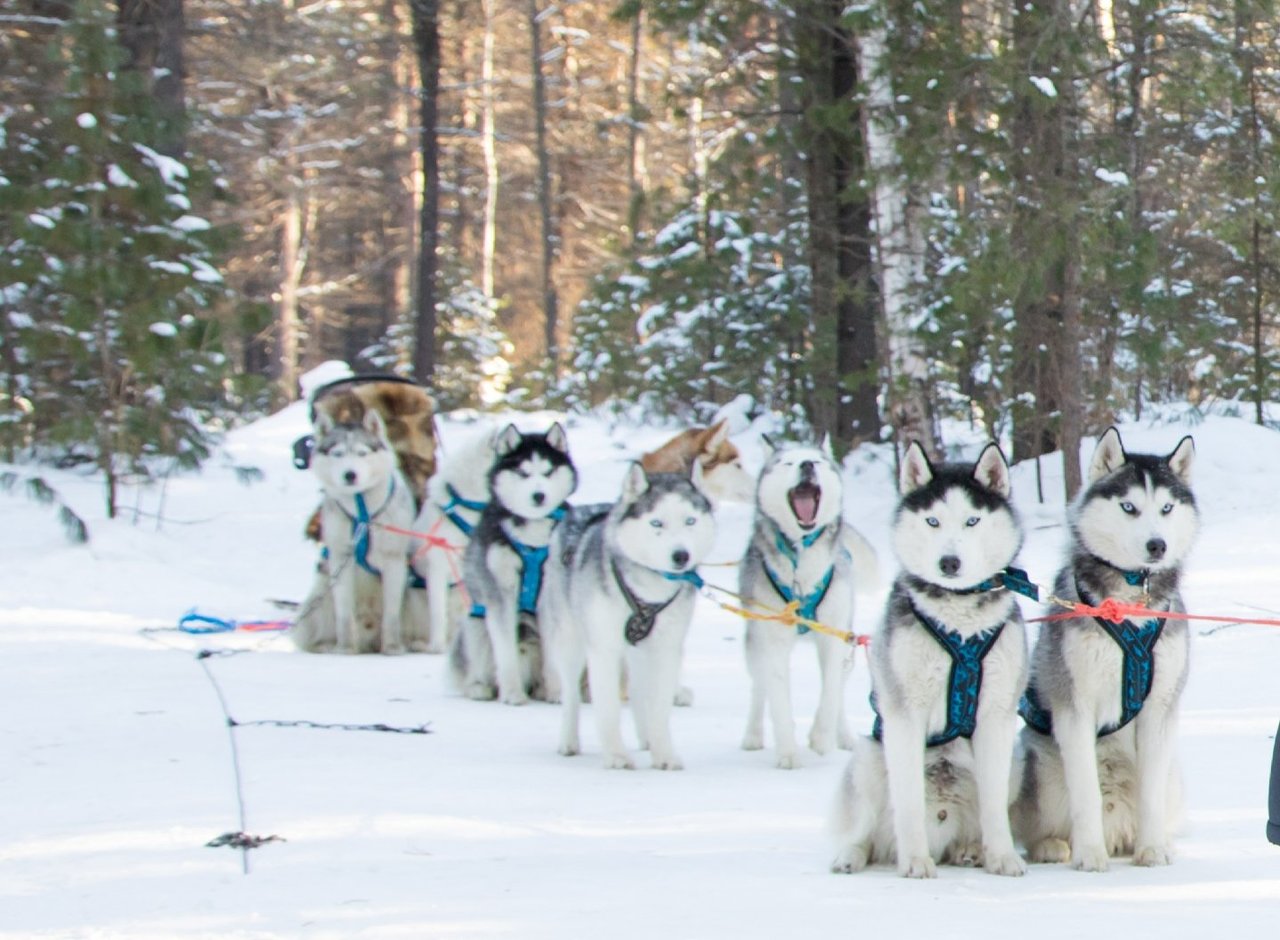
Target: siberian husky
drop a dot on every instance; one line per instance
(361, 602)
(801, 550)
(456, 495)
(947, 667)
(718, 461)
(620, 590)
(497, 651)
(1100, 774)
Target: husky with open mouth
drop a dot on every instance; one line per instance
(801, 552)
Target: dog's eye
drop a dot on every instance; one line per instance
(656, 523)
(522, 473)
(933, 522)
(1129, 508)
(972, 521)
(692, 520)
(1166, 509)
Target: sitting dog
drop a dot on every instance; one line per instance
(947, 667)
(1100, 773)
(361, 602)
(800, 551)
(620, 589)
(497, 652)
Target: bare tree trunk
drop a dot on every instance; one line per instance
(153, 33)
(426, 44)
(550, 301)
(635, 121)
(489, 135)
(900, 253)
(288, 319)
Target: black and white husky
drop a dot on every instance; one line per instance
(362, 600)
(947, 668)
(800, 551)
(620, 589)
(497, 651)
(1100, 775)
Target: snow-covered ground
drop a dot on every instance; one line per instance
(116, 766)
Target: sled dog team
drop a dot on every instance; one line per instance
(564, 601)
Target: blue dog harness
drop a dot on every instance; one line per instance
(1137, 642)
(360, 525)
(451, 513)
(964, 683)
(808, 603)
(532, 560)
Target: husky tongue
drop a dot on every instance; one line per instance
(804, 499)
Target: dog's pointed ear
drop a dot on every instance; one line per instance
(916, 469)
(1107, 456)
(635, 483)
(716, 435)
(374, 424)
(826, 447)
(557, 438)
(992, 470)
(1183, 456)
(507, 441)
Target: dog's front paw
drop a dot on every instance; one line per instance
(919, 866)
(1005, 863)
(570, 748)
(788, 762)
(621, 761)
(517, 697)
(1048, 851)
(753, 741)
(1090, 858)
(1151, 856)
(964, 855)
(668, 762)
(850, 859)
(821, 741)
(393, 649)
(481, 691)
(684, 697)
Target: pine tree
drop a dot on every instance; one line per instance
(114, 278)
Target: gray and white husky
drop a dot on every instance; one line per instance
(1100, 774)
(620, 589)
(497, 652)
(801, 550)
(362, 600)
(947, 668)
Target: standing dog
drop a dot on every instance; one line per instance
(497, 652)
(799, 551)
(456, 496)
(361, 603)
(719, 465)
(947, 668)
(1100, 776)
(620, 591)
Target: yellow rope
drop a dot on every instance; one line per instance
(786, 616)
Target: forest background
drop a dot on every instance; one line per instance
(1036, 216)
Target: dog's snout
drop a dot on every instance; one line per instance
(949, 564)
(350, 477)
(806, 470)
(679, 558)
(1156, 548)
(539, 498)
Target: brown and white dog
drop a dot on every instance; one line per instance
(723, 476)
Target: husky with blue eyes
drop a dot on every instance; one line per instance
(621, 581)
(932, 782)
(1100, 774)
